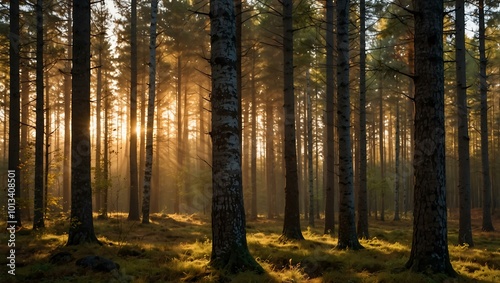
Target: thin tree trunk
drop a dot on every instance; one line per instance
(46, 146)
(291, 225)
(146, 197)
(464, 229)
(98, 170)
(253, 213)
(105, 171)
(396, 165)
(381, 132)
(180, 158)
(38, 219)
(362, 227)
(330, 143)
(347, 222)
(270, 164)
(310, 152)
(485, 163)
(67, 116)
(133, 214)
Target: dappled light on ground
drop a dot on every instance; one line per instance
(176, 248)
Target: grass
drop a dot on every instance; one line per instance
(176, 248)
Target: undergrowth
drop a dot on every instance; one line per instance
(176, 248)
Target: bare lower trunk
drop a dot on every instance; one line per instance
(133, 213)
(464, 229)
(362, 227)
(347, 223)
(229, 245)
(330, 145)
(81, 226)
(429, 252)
(485, 163)
(146, 196)
(291, 225)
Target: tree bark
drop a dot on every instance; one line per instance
(347, 223)
(133, 213)
(14, 112)
(362, 227)
(429, 250)
(229, 245)
(270, 163)
(485, 163)
(253, 158)
(464, 224)
(310, 153)
(38, 221)
(291, 225)
(397, 161)
(146, 196)
(67, 116)
(81, 228)
(330, 143)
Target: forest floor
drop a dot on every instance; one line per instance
(176, 248)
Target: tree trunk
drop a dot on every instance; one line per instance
(253, 211)
(38, 221)
(381, 134)
(229, 245)
(464, 229)
(67, 116)
(14, 217)
(485, 163)
(270, 164)
(347, 223)
(105, 171)
(133, 213)
(330, 144)
(310, 152)
(180, 158)
(146, 197)
(397, 172)
(98, 170)
(291, 226)
(81, 228)
(429, 250)
(362, 227)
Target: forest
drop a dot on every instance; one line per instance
(250, 141)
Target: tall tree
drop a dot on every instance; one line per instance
(67, 114)
(347, 223)
(396, 165)
(483, 89)
(291, 226)
(464, 224)
(15, 109)
(429, 250)
(38, 221)
(81, 229)
(229, 245)
(310, 151)
(146, 196)
(133, 213)
(330, 144)
(362, 227)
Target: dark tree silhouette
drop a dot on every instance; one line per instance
(81, 229)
